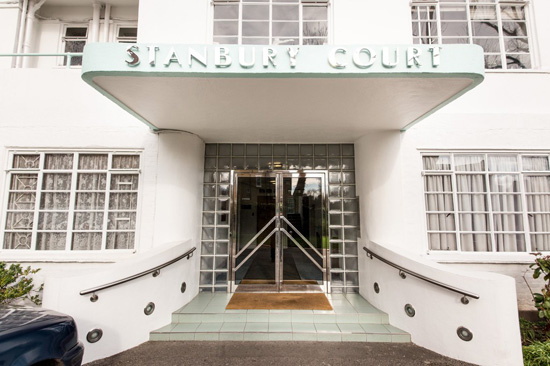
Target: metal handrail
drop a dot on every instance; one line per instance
(69, 56)
(155, 271)
(403, 270)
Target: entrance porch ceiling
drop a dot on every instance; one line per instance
(321, 103)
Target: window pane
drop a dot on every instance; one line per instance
(91, 182)
(53, 220)
(226, 11)
(506, 202)
(442, 241)
(92, 162)
(470, 183)
(539, 223)
(488, 44)
(314, 13)
(17, 241)
(315, 29)
(453, 12)
(51, 241)
(19, 220)
(125, 161)
(285, 12)
(438, 183)
(493, 62)
(76, 32)
(256, 12)
(440, 162)
(124, 201)
(518, 61)
(123, 182)
(226, 28)
(21, 201)
(474, 222)
(441, 222)
(439, 202)
(59, 162)
(121, 221)
(90, 201)
(504, 183)
(485, 29)
(25, 161)
(540, 242)
(483, 12)
(56, 182)
(23, 182)
(510, 242)
(55, 201)
(508, 222)
(472, 202)
(512, 12)
(535, 163)
(255, 29)
(475, 242)
(469, 163)
(537, 184)
(86, 241)
(538, 202)
(286, 29)
(88, 220)
(120, 240)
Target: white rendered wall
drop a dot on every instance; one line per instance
(492, 319)
(119, 311)
(168, 21)
(9, 28)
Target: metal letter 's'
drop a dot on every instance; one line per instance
(172, 57)
(222, 57)
(133, 55)
(332, 58)
(242, 58)
(357, 57)
(413, 54)
(269, 55)
(386, 57)
(152, 55)
(193, 54)
(436, 58)
(293, 53)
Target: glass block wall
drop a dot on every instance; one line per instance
(335, 159)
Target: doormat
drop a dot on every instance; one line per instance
(278, 301)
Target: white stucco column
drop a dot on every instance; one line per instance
(179, 188)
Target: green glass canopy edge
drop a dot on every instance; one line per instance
(111, 59)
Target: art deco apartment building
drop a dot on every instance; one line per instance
(395, 152)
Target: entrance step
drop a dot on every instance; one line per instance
(352, 320)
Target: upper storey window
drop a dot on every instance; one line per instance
(74, 40)
(499, 27)
(271, 22)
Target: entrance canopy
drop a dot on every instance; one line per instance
(281, 93)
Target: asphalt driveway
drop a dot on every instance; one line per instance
(276, 354)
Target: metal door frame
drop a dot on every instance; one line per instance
(278, 231)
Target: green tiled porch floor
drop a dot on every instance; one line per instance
(352, 320)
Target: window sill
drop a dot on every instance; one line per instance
(517, 71)
(28, 256)
(480, 258)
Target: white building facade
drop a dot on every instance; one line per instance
(338, 135)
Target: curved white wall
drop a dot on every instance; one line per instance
(493, 318)
(119, 311)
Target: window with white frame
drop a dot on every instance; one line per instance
(487, 202)
(500, 27)
(271, 22)
(126, 34)
(74, 40)
(71, 201)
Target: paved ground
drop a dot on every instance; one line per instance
(276, 354)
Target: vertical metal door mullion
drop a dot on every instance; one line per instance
(278, 242)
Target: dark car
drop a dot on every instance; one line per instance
(38, 337)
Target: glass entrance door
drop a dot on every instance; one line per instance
(278, 228)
